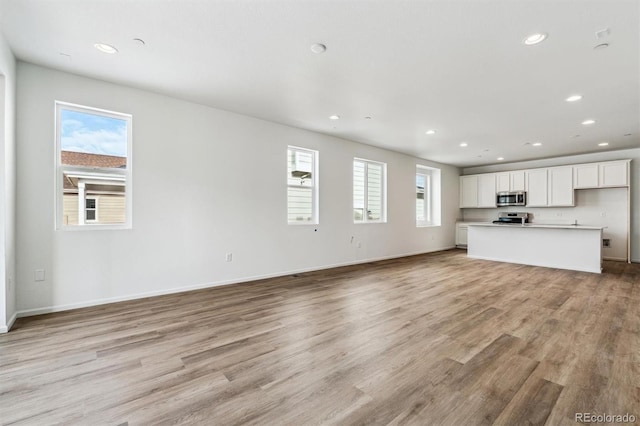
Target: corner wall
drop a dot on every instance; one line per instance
(7, 186)
(205, 183)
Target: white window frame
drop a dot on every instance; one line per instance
(365, 216)
(432, 202)
(94, 173)
(315, 214)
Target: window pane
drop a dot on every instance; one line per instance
(300, 168)
(374, 191)
(300, 204)
(91, 215)
(92, 140)
(420, 199)
(358, 190)
(301, 191)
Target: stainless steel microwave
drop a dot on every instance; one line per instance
(517, 198)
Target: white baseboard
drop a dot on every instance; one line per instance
(96, 302)
(6, 328)
(617, 259)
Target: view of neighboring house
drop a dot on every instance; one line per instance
(94, 184)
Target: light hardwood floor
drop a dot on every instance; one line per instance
(435, 339)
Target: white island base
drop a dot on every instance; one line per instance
(576, 248)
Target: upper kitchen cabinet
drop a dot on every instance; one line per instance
(560, 186)
(487, 190)
(613, 173)
(537, 182)
(585, 176)
(468, 191)
(510, 181)
(478, 191)
(601, 175)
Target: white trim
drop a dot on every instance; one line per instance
(12, 320)
(96, 302)
(617, 259)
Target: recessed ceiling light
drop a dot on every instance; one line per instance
(430, 132)
(367, 118)
(603, 144)
(105, 48)
(601, 46)
(464, 144)
(627, 134)
(535, 39)
(588, 122)
(334, 117)
(574, 98)
(139, 41)
(318, 48)
(537, 144)
(500, 158)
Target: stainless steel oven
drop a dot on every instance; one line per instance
(518, 198)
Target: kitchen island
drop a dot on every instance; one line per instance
(573, 247)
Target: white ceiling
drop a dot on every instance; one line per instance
(459, 67)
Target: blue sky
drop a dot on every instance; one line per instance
(93, 134)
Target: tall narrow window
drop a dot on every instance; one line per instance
(93, 149)
(302, 188)
(423, 199)
(427, 196)
(369, 191)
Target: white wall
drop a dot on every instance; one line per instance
(7, 186)
(590, 204)
(205, 183)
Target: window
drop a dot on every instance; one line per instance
(369, 191)
(93, 154)
(91, 209)
(302, 187)
(423, 199)
(427, 196)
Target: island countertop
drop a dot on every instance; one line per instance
(535, 225)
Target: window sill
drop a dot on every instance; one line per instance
(96, 227)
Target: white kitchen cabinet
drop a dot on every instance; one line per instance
(585, 176)
(516, 180)
(487, 190)
(503, 182)
(613, 173)
(468, 191)
(536, 181)
(560, 191)
(461, 234)
(510, 181)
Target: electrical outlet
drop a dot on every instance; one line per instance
(39, 275)
(229, 257)
(606, 242)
